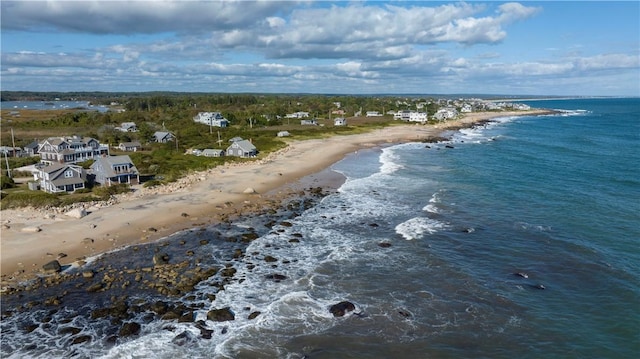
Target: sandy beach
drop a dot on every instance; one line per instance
(200, 198)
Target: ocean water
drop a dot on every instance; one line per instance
(518, 238)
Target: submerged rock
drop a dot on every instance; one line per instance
(221, 315)
(342, 308)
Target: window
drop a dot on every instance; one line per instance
(68, 174)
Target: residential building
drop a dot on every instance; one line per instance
(298, 114)
(112, 170)
(60, 177)
(284, 134)
(163, 137)
(373, 114)
(340, 121)
(132, 146)
(209, 152)
(243, 148)
(312, 122)
(71, 150)
(211, 119)
(31, 149)
(128, 127)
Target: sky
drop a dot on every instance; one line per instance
(572, 48)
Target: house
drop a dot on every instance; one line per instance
(284, 134)
(60, 177)
(410, 116)
(340, 121)
(236, 139)
(31, 149)
(243, 148)
(338, 112)
(163, 137)
(298, 114)
(71, 150)
(11, 151)
(128, 127)
(112, 170)
(130, 146)
(373, 114)
(209, 152)
(211, 119)
(445, 113)
(312, 122)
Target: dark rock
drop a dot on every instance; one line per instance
(95, 287)
(384, 244)
(221, 315)
(160, 258)
(52, 267)
(276, 277)
(228, 272)
(184, 214)
(270, 259)
(69, 330)
(159, 307)
(253, 315)
(183, 338)
(81, 339)
(129, 329)
(340, 309)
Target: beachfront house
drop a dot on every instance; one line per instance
(445, 113)
(340, 121)
(212, 152)
(112, 170)
(283, 134)
(60, 177)
(71, 150)
(311, 122)
(162, 137)
(132, 146)
(243, 148)
(411, 116)
(373, 114)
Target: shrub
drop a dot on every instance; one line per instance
(6, 182)
(36, 199)
(152, 183)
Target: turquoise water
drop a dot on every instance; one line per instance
(554, 198)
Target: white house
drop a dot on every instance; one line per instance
(128, 127)
(284, 134)
(60, 177)
(298, 114)
(211, 119)
(445, 113)
(340, 121)
(373, 114)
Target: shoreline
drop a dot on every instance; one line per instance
(201, 198)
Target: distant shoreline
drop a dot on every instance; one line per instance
(31, 239)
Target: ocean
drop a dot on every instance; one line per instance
(517, 238)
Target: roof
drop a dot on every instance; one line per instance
(130, 144)
(56, 174)
(245, 145)
(105, 165)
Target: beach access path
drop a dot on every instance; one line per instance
(201, 198)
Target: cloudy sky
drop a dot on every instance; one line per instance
(397, 47)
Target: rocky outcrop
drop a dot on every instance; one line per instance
(342, 308)
(52, 267)
(221, 315)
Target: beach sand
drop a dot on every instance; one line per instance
(202, 198)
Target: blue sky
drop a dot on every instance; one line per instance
(574, 48)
